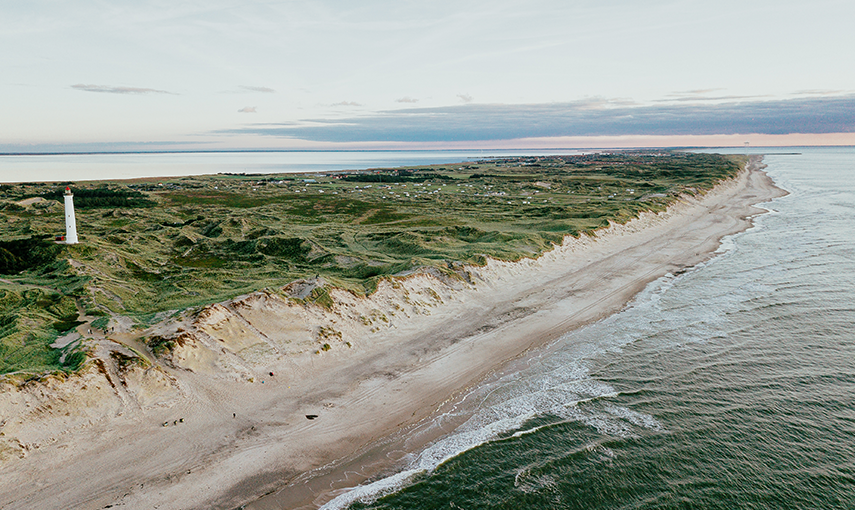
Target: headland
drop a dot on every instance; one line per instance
(285, 391)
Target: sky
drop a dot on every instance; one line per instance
(216, 74)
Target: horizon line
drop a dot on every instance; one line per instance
(539, 149)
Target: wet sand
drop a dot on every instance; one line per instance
(253, 445)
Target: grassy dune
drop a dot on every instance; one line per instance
(152, 247)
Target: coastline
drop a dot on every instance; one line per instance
(402, 377)
(725, 210)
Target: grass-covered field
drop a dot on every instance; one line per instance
(149, 247)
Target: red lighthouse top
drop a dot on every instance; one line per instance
(67, 190)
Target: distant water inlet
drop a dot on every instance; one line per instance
(89, 167)
(729, 386)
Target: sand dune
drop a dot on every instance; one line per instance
(365, 368)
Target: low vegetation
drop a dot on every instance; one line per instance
(150, 247)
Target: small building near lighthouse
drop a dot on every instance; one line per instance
(70, 223)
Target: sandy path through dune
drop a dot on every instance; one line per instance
(215, 459)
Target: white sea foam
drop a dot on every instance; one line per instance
(556, 383)
(566, 392)
(634, 417)
(428, 460)
(706, 307)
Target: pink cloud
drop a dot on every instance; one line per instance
(266, 90)
(117, 90)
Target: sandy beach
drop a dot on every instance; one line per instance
(213, 429)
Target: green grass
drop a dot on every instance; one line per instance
(31, 319)
(210, 238)
(100, 322)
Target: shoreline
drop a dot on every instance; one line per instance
(372, 462)
(241, 440)
(328, 165)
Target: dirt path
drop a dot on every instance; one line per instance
(239, 440)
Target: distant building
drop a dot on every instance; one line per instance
(70, 223)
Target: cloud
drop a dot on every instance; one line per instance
(695, 92)
(247, 109)
(466, 98)
(819, 92)
(347, 103)
(703, 95)
(117, 90)
(475, 122)
(407, 99)
(105, 147)
(688, 99)
(266, 90)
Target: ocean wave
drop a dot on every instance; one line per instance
(579, 399)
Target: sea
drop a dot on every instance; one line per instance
(730, 386)
(131, 165)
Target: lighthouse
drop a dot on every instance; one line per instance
(70, 224)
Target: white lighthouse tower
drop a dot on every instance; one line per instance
(70, 224)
